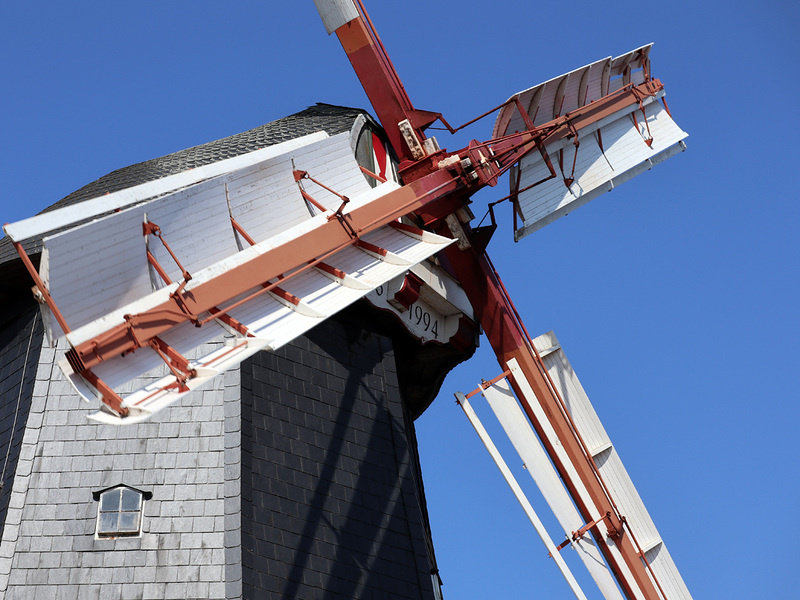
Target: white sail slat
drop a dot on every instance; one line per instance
(78, 213)
(610, 467)
(610, 151)
(106, 260)
(518, 429)
(520, 495)
(606, 157)
(272, 320)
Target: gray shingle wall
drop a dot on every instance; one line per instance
(20, 343)
(187, 456)
(331, 500)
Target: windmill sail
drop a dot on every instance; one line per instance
(167, 243)
(594, 159)
(661, 569)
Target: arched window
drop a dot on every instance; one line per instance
(119, 511)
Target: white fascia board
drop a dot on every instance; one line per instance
(68, 215)
(441, 291)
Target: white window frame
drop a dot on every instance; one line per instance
(129, 503)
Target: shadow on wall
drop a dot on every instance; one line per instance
(329, 501)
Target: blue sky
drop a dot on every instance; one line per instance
(675, 296)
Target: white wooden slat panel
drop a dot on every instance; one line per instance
(624, 155)
(509, 120)
(519, 494)
(632, 59)
(321, 293)
(266, 200)
(598, 79)
(76, 213)
(611, 468)
(272, 321)
(518, 429)
(274, 203)
(605, 76)
(529, 397)
(184, 338)
(96, 268)
(195, 223)
(105, 260)
(404, 245)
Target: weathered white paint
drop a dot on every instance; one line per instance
(336, 13)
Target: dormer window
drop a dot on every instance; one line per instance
(119, 511)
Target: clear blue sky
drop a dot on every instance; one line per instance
(675, 296)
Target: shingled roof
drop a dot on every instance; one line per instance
(321, 117)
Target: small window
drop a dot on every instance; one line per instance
(119, 512)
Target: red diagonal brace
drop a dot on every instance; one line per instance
(176, 362)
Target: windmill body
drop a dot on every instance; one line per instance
(259, 249)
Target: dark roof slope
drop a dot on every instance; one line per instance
(322, 117)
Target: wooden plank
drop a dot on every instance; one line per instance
(623, 155)
(520, 495)
(518, 429)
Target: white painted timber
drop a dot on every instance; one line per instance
(105, 260)
(336, 13)
(579, 87)
(89, 209)
(520, 495)
(606, 157)
(611, 469)
(518, 429)
(98, 271)
(529, 399)
(609, 153)
(272, 320)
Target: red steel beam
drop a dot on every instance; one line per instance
(382, 85)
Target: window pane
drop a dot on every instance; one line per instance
(130, 500)
(109, 501)
(129, 522)
(108, 522)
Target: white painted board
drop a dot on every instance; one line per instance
(100, 267)
(518, 429)
(610, 466)
(606, 157)
(610, 152)
(272, 321)
(336, 13)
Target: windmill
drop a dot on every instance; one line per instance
(564, 142)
